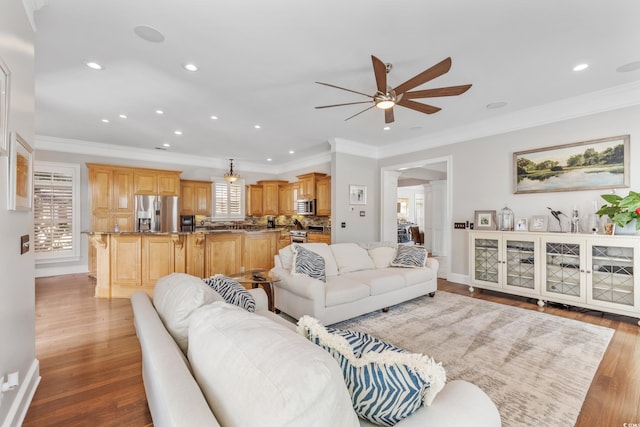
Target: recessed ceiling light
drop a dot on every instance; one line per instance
(190, 67)
(495, 105)
(148, 33)
(123, 116)
(178, 132)
(105, 120)
(632, 66)
(291, 152)
(214, 117)
(257, 126)
(269, 159)
(580, 67)
(386, 128)
(94, 65)
(166, 144)
(159, 112)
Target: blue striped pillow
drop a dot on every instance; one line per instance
(386, 383)
(232, 291)
(308, 263)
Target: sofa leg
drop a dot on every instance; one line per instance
(385, 310)
(432, 294)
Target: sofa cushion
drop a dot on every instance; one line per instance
(382, 256)
(414, 276)
(308, 263)
(410, 256)
(255, 372)
(232, 291)
(379, 281)
(175, 298)
(330, 266)
(386, 383)
(341, 290)
(351, 257)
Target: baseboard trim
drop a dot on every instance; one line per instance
(462, 279)
(60, 271)
(26, 391)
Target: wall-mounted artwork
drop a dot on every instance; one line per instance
(4, 107)
(20, 174)
(597, 164)
(357, 194)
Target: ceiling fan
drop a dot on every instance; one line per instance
(386, 97)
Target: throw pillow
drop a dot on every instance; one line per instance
(308, 263)
(232, 291)
(351, 257)
(382, 256)
(175, 298)
(410, 256)
(386, 383)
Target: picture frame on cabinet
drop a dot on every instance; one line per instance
(589, 165)
(20, 174)
(5, 86)
(357, 194)
(485, 220)
(522, 224)
(538, 223)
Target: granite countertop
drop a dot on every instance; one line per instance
(161, 233)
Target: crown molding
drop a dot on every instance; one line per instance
(32, 6)
(622, 96)
(346, 146)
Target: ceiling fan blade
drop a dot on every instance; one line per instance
(340, 105)
(380, 71)
(342, 88)
(423, 108)
(388, 115)
(437, 70)
(357, 114)
(435, 93)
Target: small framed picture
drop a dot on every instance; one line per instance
(485, 220)
(522, 224)
(357, 194)
(538, 223)
(20, 174)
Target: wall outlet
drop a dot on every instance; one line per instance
(459, 225)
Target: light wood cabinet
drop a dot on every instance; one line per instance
(168, 183)
(158, 258)
(284, 240)
(319, 238)
(122, 191)
(156, 182)
(195, 248)
(100, 188)
(323, 196)
(307, 185)
(126, 269)
(259, 250)
(253, 199)
(195, 198)
(270, 196)
(223, 253)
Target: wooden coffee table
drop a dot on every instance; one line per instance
(259, 277)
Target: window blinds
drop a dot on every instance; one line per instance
(229, 200)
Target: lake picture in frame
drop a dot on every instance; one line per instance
(597, 164)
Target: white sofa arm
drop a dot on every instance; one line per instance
(260, 296)
(433, 264)
(304, 286)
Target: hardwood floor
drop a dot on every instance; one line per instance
(91, 372)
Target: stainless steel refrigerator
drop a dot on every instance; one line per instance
(156, 213)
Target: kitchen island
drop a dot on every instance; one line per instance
(127, 262)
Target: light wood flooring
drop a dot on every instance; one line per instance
(91, 372)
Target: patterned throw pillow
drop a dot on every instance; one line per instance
(386, 383)
(232, 291)
(308, 263)
(410, 256)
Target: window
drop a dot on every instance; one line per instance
(228, 200)
(56, 214)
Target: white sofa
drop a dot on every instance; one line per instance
(252, 369)
(359, 280)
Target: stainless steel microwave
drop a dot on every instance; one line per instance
(306, 207)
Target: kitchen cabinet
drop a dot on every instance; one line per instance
(156, 182)
(168, 183)
(259, 250)
(284, 240)
(195, 247)
(592, 271)
(270, 196)
(223, 253)
(323, 196)
(126, 268)
(195, 198)
(288, 194)
(319, 238)
(307, 185)
(253, 199)
(158, 259)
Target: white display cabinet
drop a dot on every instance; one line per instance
(585, 270)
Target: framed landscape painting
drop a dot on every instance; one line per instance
(597, 164)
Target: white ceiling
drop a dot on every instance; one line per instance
(258, 61)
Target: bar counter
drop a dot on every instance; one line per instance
(127, 262)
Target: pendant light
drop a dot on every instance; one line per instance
(231, 176)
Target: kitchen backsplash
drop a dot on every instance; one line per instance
(282, 221)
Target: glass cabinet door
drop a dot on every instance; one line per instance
(520, 261)
(612, 278)
(563, 269)
(486, 265)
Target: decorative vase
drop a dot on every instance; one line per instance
(627, 230)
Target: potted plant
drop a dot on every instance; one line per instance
(622, 210)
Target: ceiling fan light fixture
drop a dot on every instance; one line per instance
(231, 176)
(385, 104)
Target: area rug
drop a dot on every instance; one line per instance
(536, 367)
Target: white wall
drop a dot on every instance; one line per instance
(483, 174)
(17, 289)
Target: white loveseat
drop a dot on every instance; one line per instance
(359, 280)
(251, 369)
